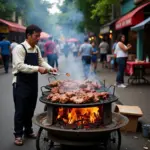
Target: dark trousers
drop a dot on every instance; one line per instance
(86, 61)
(25, 102)
(56, 60)
(5, 59)
(50, 58)
(121, 69)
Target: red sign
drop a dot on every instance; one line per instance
(124, 23)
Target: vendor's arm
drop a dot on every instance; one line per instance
(18, 60)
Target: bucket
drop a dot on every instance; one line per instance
(146, 130)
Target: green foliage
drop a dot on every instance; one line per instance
(102, 9)
(6, 8)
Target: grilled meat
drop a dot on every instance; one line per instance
(77, 92)
(55, 90)
(64, 99)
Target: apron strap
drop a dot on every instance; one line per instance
(26, 49)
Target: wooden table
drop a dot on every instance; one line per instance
(136, 70)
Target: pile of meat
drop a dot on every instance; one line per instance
(77, 92)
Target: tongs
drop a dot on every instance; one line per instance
(57, 74)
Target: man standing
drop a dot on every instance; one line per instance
(86, 52)
(27, 62)
(5, 52)
(49, 50)
(103, 52)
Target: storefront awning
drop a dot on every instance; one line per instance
(106, 28)
(132, 18)
(13, 26)
(141, 25)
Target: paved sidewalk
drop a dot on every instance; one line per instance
(138, 95)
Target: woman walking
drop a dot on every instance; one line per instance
(121, 52)
(94, 56)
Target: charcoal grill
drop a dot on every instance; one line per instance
(106, 133)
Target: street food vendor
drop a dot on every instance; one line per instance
(27, 62)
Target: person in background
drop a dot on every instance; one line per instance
(41, 44)
(94, 56)
(49, 48)
(103, 52)
(27, 62)
(5, 53)
(86, 52)
(66, 49)
(56, 53)
(121, 52)
(114, 64)
(75, 50)
(13, 44)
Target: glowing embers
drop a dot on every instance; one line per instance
(79, 118)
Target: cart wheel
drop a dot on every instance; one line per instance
(42, 141)
(114, 141)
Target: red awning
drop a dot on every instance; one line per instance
(132, 18)
(13, 26)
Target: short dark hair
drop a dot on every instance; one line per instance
(86, 39)
(119, 37)
(31, 29)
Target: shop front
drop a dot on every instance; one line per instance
(129, 20)
(12, 30)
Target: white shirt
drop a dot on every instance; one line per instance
(18, 56)
(13, 45)
(74, 48)
(119, 52)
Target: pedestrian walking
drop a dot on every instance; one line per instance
(5, 53)
(66, 49)
(94, 56)
(56, 53)
(13, 44)
(75, 50)
(121, 52)
(27, 62)
(104, 46)
(49, 50)
(86, 51)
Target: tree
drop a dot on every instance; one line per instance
(6, 8)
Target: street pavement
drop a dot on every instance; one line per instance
(137, 95)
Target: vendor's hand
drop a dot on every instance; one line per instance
(42, 70)
(53, 70)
